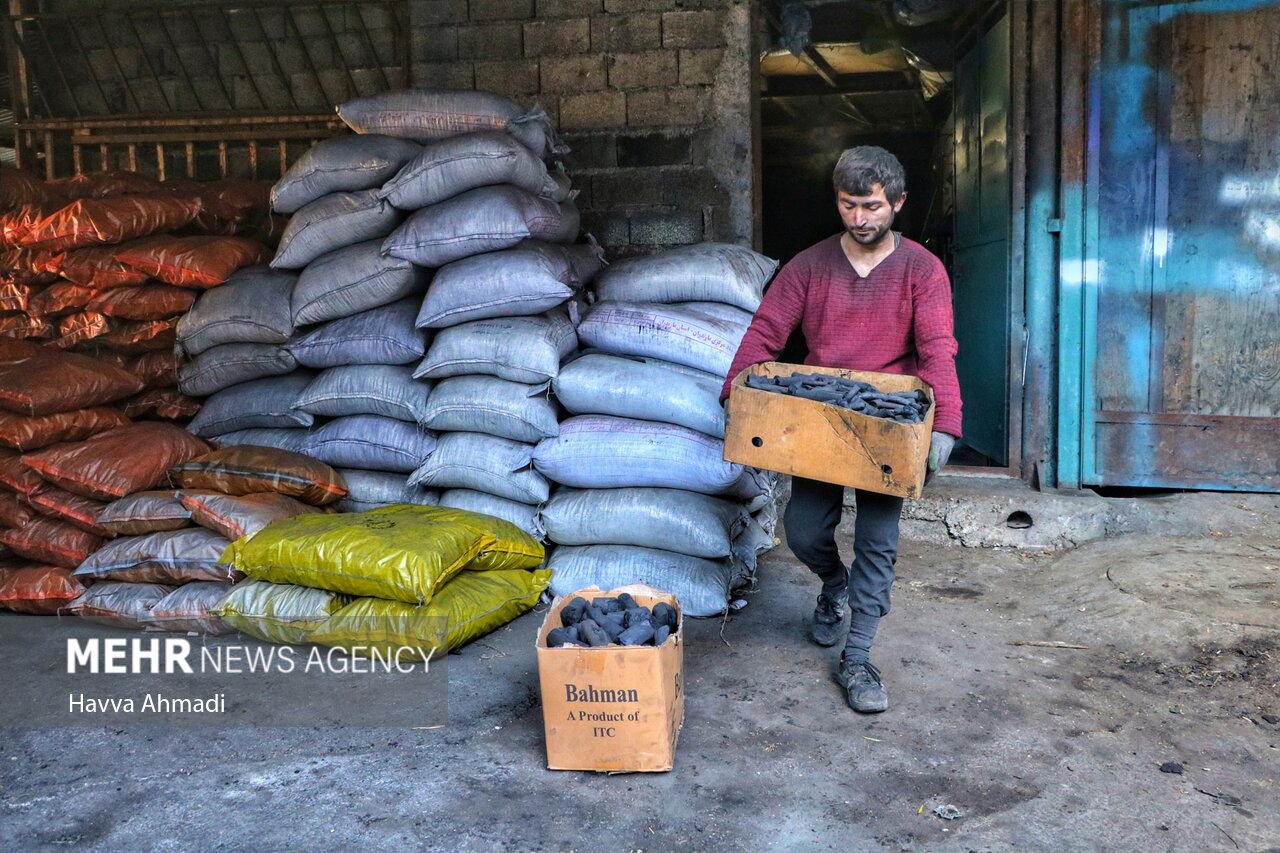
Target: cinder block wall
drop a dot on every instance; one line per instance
(653, 96)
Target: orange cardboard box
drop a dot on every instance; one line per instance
(616, 708)
(809, 439)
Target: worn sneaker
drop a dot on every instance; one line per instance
(863, 687)
(828, 619)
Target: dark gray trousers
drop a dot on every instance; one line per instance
(811, 519)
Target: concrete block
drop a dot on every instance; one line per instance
(590, 151)
(355, 49)
(693, 29)
(649, 70)
(334, 88)
(610, 228)
(508, 76)
(626, 187)
(698, 67)
(692, 187)
(501, 10)
(572, 74)
(627, 7)
(103, 62)
(370, 81)
(666, 228)
(654, 149)
(557, 38)
(666, 108)
(435, 44)
(444, 75)
(490, 41)
(436, 12)
(567, 8)
(593, 110)
(626, 33)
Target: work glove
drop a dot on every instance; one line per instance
(940, 447)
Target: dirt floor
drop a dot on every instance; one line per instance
(1040, 747)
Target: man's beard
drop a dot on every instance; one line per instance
(875, 238)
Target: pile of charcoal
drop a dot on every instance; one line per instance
(908, 407)
(613, 621)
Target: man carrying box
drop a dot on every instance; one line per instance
(867, 299)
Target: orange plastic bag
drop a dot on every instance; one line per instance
(59, 299)
(118, 462)
(48, 540)
(95, 222)
(138, 336)
(102, 185)
(17, 477)
(143, 302)
(19, 187)
(14, 512)
(80, 327)
(42, 590)
(245, 469)
(97, 267)
(156, 369)
(200, 262)
(26, 326)
(27, 267)
(167, 403)
(73, 509)
(26, 433)
(14, 296)
(60, 382)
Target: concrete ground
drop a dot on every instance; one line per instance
(1042, 747)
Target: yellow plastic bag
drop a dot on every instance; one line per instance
(469, 606)
(278, 613)
(400, 553)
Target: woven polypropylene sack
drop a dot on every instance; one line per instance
(259, 403)
(372, 443)
(368, 389)
(453, 166)
(689, 334)
(522, 515)
(519, 349)
(145, 512)
(143, 302)
(402, 553)
(368, 490)
(172, 557)
(189, 608)
(467, 607)
(280, 439)
(50, 541)
(252, 307)
(703, 272)
(199, 262)
(492, 406)
(424, 115)
(95, 222)
(22, 432)
(701, 585)
(327, 224)
(647, 388)
(671, 519)
(353, 279)
(277, 613)
(483, 463)
(515, 282)
(604, 452)
(234, 516)
(118, 462)
(246, 469)
(40, 590)
(233, 364)
(478, 221)
(79, 511)
(384, 335)
(341, 164)
(54, 382)
(118, 604)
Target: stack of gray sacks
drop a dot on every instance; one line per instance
(646, 495)
(335, 352)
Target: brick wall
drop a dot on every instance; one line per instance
(653, 96)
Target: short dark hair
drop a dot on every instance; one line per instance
(860, 169)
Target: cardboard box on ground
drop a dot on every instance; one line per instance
(612, 708)
(806, 438)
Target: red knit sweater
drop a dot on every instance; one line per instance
(898, 319)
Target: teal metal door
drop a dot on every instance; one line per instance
(980, 270)
(1182, 305)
